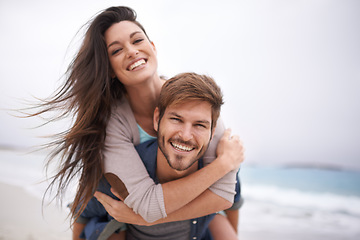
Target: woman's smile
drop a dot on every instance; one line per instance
(130, 51)
(136, 64)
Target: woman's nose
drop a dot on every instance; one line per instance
(132, 52)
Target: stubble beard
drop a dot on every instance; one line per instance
(179, 158)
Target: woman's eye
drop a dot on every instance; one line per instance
(116, 51)
(138, 40)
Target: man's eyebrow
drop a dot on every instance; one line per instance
(206, 122)
(117, 42)
(174, 114)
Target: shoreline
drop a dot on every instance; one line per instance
(23, 217)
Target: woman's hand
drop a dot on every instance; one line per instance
(118, 210)
(230, 150)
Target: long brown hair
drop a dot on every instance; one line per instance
(87, 96)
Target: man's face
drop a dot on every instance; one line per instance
(184, 133)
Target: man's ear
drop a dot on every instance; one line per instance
(213, 131)
(156, 119)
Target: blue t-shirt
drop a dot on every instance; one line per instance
(144, 136)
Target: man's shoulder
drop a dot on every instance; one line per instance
(147, 147)
(148, 153)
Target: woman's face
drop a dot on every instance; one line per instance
(132, 56)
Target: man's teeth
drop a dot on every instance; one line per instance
(182, 147)
(136, 64)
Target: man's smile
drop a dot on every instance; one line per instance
(182, 147)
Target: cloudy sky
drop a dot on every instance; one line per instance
(289, 69)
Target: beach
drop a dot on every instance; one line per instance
(280, 203)
(22, 217)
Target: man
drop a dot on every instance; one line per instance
(185, 119)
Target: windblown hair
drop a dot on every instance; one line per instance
(187, 87)
(87, 96)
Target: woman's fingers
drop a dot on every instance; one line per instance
(105, 200)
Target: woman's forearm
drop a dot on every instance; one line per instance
(205, 204)
(180, 192)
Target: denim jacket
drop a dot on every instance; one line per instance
(100, 225)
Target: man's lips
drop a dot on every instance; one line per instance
(182, 147)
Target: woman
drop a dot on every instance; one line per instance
(112, 85)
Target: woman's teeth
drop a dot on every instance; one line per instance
(136, 64)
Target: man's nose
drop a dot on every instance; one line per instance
(186, 132)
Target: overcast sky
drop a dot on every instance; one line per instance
(289, 69)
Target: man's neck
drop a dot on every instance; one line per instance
(166, 174)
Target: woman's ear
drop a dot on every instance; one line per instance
(153, 45)
(156, 119)
(112, 74)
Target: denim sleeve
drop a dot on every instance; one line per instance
(94, 208)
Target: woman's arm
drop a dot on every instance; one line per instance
(204, 204)
(233, 218)
(77, 230)
(225, 186)
(221, 227)
(180, 192)
(196, 208)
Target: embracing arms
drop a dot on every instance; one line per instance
(155, 201)
(176, 194)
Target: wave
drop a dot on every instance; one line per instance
(287, 197)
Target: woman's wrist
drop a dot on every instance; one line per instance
(222, 164)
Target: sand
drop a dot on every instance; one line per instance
(22, 217)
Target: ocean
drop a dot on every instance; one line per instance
(301, 203)
(280, 202)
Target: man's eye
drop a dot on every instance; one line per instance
(175, 119)
(200, 125)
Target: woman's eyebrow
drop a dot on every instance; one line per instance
(113, 43)
(132, 34)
